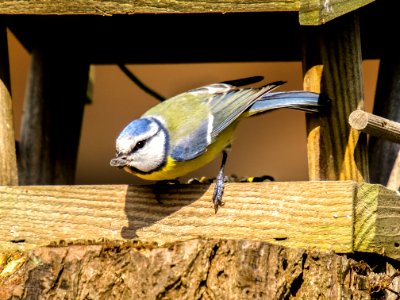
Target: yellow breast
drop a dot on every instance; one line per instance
(175, 169)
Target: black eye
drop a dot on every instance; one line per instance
(139, 145)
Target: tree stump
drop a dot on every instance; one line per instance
(194, 269)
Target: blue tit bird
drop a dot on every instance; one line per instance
(189, 130)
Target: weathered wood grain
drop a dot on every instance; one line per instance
(394, 178)
(194, 269)
(332, 66)
(316, 12)
(312, 12)
(113, 7)
(377, 225)
(375, 125)
(297, 214)
(52, 117)
(339, 216)
(8, 159)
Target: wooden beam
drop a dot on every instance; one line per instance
(317, 12)
(312, 12)
(8, 160)
(52, 118)
(338, 216)
(115, 7)
(332, 65)
(376, 227)
(295, 214)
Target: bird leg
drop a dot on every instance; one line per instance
(219, 183)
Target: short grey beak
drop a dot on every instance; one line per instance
(118, 162)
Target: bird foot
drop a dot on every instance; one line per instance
(218, 192)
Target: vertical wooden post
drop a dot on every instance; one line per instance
(383, 153)
(52, 118)
(8, 160)
(333, 66)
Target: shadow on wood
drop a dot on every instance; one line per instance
(163, 200)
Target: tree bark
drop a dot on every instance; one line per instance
(194, 269)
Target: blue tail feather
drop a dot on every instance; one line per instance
(301, 100)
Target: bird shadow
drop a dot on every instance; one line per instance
(146, 205)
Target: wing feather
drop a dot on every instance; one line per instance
(227, 107)
(203, 113)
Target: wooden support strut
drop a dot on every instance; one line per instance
(332, 65)
(383, 152)
(52, 118)
(381, 129)
(8, 159)
(375, 125)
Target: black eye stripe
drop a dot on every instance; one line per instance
(142, 143)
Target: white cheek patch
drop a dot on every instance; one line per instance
(152, 156)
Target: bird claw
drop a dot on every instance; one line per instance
(217, 204)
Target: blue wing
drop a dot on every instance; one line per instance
(192, 146)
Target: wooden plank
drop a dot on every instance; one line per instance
(53, 112)
(113, 7)
(377, 225)
(332, 65)
(8, 160)
(315, 215)
(317, 12)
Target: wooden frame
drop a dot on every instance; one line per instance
(350, 213)
(338, 216)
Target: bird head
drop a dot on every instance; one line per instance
(142, 146)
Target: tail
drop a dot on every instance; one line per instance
(301, 100)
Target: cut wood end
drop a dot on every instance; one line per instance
(358, 119)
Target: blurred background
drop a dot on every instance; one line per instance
(270, 144)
